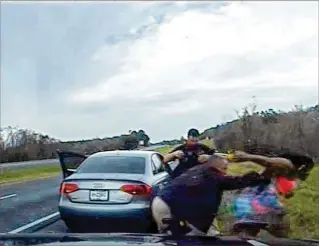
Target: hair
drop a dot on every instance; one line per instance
(193, 133)
(299, 160)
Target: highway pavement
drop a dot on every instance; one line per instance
(56, 227)
(27, 202)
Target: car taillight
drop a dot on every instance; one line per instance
(67, 188)
(137, 189)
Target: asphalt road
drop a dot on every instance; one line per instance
(24, 203)
(57, 227)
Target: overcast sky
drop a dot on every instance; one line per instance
(83, 70)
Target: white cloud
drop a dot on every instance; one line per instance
(193, 67)
(245, 46)
(166, 57)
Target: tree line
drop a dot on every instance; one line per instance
(270, 131)
(296, 130)
(24, 144)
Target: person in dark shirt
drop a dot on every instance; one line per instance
(196, 194)
(187, 154)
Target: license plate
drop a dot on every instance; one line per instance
(99, 195)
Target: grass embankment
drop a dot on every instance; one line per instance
(303, 207)
(28, 173)
(164, 150)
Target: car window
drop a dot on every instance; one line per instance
(157, 162)
(73, 161)
(113, 164)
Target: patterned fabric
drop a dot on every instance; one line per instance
(258, 205)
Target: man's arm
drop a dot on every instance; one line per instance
(234, 183)
(171, 155)
(267, 162)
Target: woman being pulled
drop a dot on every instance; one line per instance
(262, 207)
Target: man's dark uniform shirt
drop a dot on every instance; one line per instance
(196, 194)
(190, 159)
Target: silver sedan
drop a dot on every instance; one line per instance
(110, 191)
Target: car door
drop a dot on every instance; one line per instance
(161, 177)
(70, 161)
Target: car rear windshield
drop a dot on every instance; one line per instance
(113, 164)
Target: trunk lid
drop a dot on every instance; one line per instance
(106, 176)
(102, 188)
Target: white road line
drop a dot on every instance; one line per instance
(8, 196)
(34, 223)
(256, 243)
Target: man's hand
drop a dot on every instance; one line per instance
(178, 154)
(203, 158)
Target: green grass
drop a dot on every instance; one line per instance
(28, 173)
(303, 208)
(207, 142)
(164, 150)
(239, 169)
